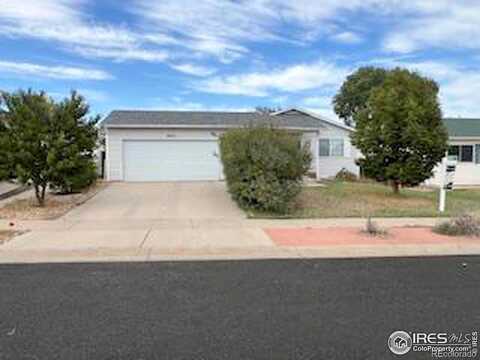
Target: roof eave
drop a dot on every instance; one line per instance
(318, 117)
(464, 137)
(202, 126)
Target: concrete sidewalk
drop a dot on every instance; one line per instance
(68, 223)
(67, 240)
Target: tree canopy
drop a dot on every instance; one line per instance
(400, 131)
(72, 150)
(47, 143)
(355, 91)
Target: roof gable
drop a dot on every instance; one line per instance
(315, 116)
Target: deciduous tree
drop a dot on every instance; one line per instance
(355, 91)
(400, 131)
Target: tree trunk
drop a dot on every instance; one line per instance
(396, 187)
(40, 194)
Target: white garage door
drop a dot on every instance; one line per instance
(171, 160)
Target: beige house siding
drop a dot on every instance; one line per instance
(466, 173)
(329, 166)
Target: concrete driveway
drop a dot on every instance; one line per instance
(157, 201)
(140, 221)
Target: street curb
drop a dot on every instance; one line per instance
(92, 255)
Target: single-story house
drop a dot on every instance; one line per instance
(183, 145)
(464, 141)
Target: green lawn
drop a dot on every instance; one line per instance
(363, 199)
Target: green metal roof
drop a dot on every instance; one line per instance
(462, 127)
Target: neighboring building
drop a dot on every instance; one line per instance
(464, 141)
(183, 145)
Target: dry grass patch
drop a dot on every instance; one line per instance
(360, 199)
(55, 205)
(365, 199)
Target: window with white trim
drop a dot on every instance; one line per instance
(331, 147)
(462, 153)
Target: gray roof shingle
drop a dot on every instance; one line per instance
(141, 118)
(462, 127)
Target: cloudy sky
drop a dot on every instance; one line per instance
(234, 55)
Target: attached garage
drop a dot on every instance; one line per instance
(171, 160)
(183, 145)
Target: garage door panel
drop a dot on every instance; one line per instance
(171, 160)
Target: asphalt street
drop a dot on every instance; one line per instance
(271, 309)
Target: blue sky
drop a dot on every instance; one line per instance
(234, 55)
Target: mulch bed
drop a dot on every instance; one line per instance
(335, 236)
(55, 205)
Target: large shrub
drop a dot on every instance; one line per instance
(264, 167)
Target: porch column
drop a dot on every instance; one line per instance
(317, 158)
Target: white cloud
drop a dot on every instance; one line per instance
(50, 10)
(123, 54)
(324, 111)
(347, 37)
(318, 101)
(461, 96)
(210, 26)
(180, 104)
(289, 79)
(279, 100)
(53, 72)
(65, 22)
(166, 29)
(94, 95)
(321, 105)
(441, 24)
(192, 69)
(415, 24)
(222, 28)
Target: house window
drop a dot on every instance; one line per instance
(463, 153)
(330, 147)
(336, 147)
(466, 153)
(324, 147)
(454, 152)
